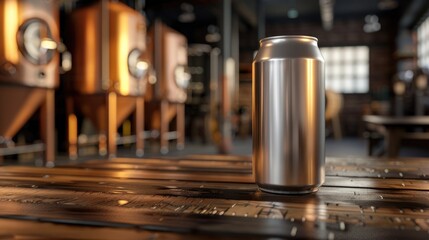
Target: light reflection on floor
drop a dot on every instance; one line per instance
(345, 147)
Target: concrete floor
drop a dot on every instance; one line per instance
(334, 148)
(345, 147)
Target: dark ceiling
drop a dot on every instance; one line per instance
(278, 9)
(209, 12)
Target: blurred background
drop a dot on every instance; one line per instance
(85, 79)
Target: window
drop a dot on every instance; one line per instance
(423, 44)
(347, 69)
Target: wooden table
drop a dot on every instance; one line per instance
(395, 130)
(212, 196)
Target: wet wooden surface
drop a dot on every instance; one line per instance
(209, 197)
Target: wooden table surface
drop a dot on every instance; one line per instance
(212, 196)
(398, 120)
(395, 131)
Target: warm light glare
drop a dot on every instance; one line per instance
(122, 202)
(310, 88)
(10, 27)
(48, 43)
(142, 65)
(123, 49)
(399, 88)
(90, 55)
(311, 113)
(72, 129)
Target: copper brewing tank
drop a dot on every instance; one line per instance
(109, 71)
(170, 61)
(166, 93)
(28, 27)
(126, 39)
(29, 67)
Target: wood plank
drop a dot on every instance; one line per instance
(38, 229)
(347, 167)
(223, 214)
(204, 198)
(220, 177)
(133, 174)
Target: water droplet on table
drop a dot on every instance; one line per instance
(293, 231)
(342, 226)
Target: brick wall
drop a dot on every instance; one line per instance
(346, 32)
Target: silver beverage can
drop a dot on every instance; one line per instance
(288, 115)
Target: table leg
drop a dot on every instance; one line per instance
(164, 127)
(72, 131)
(111, 124)
(392, 141)
(48, 127)
(139, 122)
(180, 126)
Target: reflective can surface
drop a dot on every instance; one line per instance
(288, 115)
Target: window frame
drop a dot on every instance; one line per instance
(422, 44)
(343, 70)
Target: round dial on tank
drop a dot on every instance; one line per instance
(182, 76)
(35, 41)
(137, 67)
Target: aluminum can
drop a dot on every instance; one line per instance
(288, 115)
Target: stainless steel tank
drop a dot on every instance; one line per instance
(288, 115)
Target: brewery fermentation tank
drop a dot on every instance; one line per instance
(29, 68)
(109, 75)
(166, 96)
(29, 38)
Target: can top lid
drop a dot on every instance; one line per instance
(286, 37)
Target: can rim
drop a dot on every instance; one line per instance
(285, 37)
